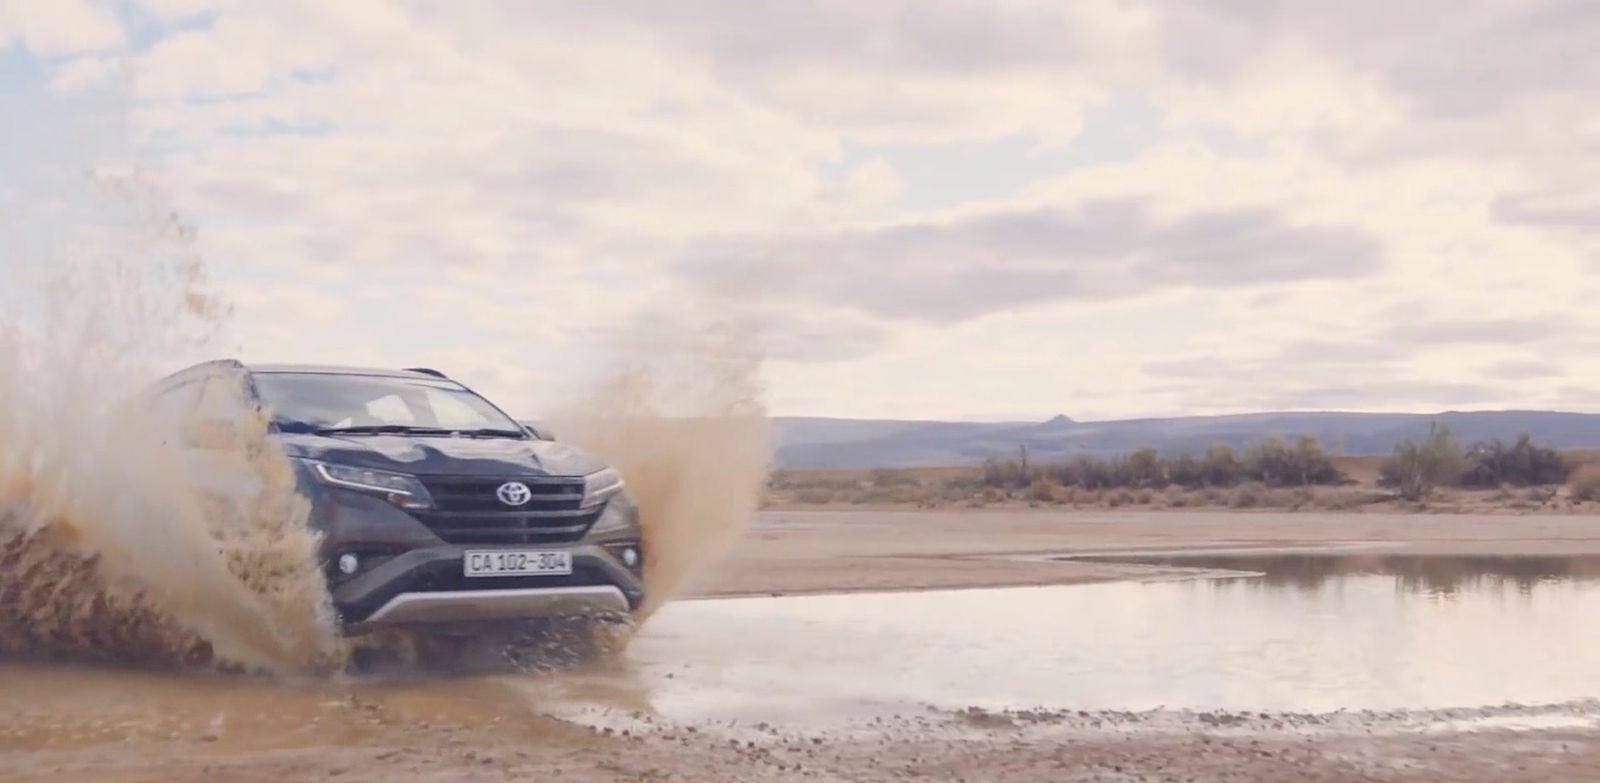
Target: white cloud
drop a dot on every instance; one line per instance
(1324, 198)
(55, 27)
(82, 73)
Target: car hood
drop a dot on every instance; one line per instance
(446, 456)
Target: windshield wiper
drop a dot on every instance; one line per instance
(384, 429)
(491, 432)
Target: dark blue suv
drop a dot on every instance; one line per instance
(437, 510)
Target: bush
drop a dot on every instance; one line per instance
(886, 477)
(1584, 484)
(1042, 490)
(1417, 468)
(1247, 496)
(1522, 464)
(1221, 467)
(814, 496)
(1271, 462)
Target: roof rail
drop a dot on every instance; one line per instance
(426, 371)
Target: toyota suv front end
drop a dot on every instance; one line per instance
(438, 512)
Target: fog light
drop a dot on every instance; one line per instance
(349, 564)
(630, 557)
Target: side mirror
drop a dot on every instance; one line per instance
(537, 432)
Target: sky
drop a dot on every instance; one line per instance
(973, 209)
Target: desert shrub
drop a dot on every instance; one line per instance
(1119, 497)
(1246, 496)
(1144, 497)
(1006, 473)
(1521, 464)
(1584, 484)
(1213, 496)
(888, 477)
(1221, 467)
(1279, 498)
(1144, 469)
(814, 495)
(1271, 462)
(1347, 498)
(1416, 468)
(1279, 464)
(1185, 471)
(1042, 490)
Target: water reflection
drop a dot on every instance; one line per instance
(1443, 575)
(1301, 633)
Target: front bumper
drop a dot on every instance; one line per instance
(472, 606)
(427, 586)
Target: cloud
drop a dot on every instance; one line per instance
(1367, 395)
(1153, 204)
(1479, 331)
(1524, 370)
(1448, 58)
(59, 26)
(942, 271)
(81, 73)
(911, 70)
(1574, 210)
(1291, 360)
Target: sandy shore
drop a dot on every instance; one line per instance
(834, 551)
(60, 724)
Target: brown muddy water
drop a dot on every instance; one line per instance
(1282, 634)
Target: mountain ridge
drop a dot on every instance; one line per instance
(825, 442)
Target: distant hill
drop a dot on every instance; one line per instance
(858, 443)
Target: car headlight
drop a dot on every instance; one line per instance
(600, 486)
(400, 489)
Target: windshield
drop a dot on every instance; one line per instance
(314, 402)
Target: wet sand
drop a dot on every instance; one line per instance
(832, 551)
(60, 724)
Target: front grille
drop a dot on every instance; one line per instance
(467, 510)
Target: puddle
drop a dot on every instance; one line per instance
(1294, 633)
(1360, 641)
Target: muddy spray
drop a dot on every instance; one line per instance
(110, 548)
(679, 409)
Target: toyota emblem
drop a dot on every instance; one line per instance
(514, 493)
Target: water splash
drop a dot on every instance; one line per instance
(111, 545)
(681, 414)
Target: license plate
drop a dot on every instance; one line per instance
(517, 563)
